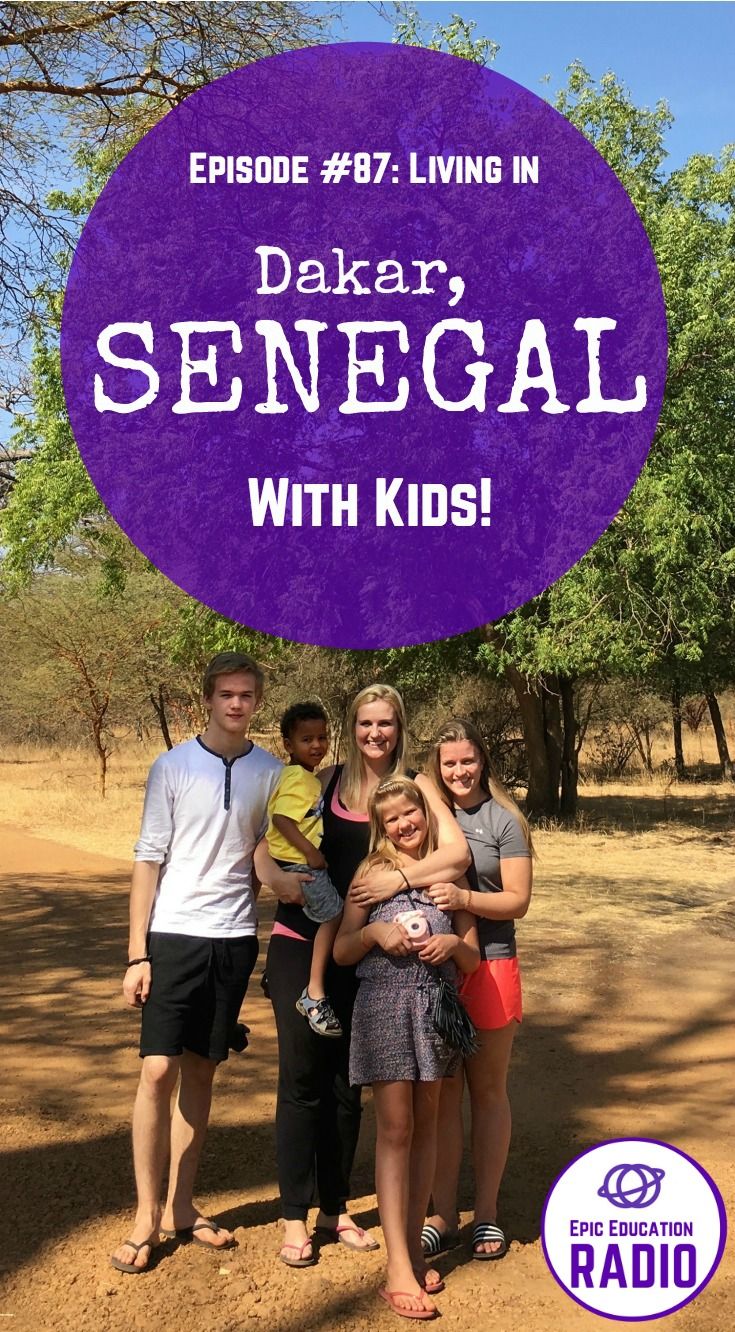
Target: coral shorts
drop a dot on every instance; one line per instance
(492, 994)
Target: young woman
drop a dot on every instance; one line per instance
(499, 894)
(395, 1047)
(318, 1112)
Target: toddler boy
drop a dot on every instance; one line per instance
(294, 837)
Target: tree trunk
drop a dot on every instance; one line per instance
(648, 747)
(101, 754)
(159, 707)
(553, 728)
(543, 774)
(726, 765)
(676, 719)
(637, 735)
(570, 751)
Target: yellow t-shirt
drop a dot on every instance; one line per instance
(298, 796)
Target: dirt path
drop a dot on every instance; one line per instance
(625, 1033)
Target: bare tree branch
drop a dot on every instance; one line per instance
(98, 75)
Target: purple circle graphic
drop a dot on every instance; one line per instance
(364, 345)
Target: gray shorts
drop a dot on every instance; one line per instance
(322, 902)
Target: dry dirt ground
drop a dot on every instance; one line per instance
(627, 958)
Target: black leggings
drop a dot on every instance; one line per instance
(318, 1113)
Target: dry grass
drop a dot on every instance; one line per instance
(54, 794)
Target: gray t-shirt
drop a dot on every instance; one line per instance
(493, 834)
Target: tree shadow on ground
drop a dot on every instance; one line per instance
(60, 973)
(646, 809)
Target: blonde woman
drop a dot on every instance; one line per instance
(318, 1112)
(498, 895)
(395, 1047)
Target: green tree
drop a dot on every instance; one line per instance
(107, 71)
(653, 598)
(93, 648)
(51, 499)
(456, 37)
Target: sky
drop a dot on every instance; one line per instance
(681, 53)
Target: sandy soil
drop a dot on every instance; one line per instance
(629, 982)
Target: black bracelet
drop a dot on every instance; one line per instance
(134, 961)
(403, 876)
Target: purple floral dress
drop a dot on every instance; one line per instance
(393, 1038)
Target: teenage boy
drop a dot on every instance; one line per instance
(193, 944)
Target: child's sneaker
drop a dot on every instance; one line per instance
(319, 1014)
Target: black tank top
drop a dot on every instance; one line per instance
(345, 843)
(346, 836)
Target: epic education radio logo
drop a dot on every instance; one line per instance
(633, 1229)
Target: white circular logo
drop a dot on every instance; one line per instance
(633, 1229)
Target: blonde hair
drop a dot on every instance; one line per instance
(353, 771)
(382, 851)
(453, 732)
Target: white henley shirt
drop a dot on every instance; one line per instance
(202, 819)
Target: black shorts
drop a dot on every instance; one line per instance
(197, 988)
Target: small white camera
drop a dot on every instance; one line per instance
(416, 926)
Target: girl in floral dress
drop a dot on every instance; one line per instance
(394, 1045)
